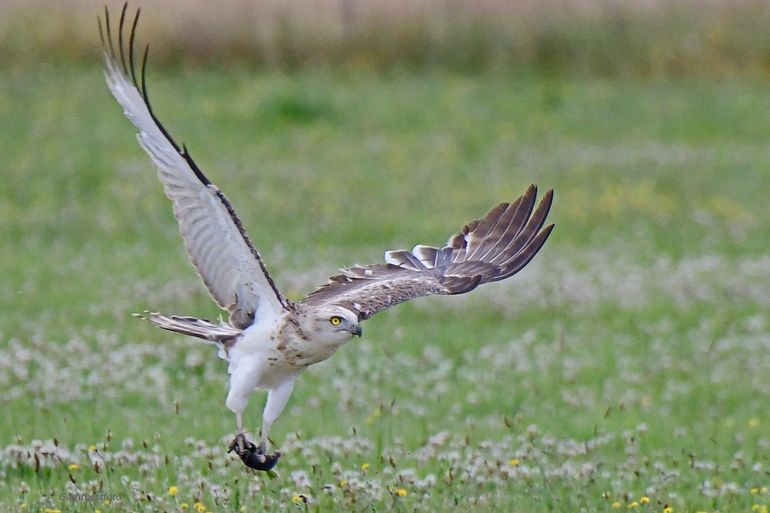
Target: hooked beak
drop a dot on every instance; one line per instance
(357, 330)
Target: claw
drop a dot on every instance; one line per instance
(239, 444)
(253, 456)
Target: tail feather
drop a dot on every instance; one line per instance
(194, 327)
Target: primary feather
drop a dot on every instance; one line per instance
(492, 248)
(216, 242)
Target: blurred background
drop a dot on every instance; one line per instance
(608, 38)
(626, 366)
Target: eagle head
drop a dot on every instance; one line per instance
(330, 324)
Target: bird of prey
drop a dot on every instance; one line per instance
(269, 339)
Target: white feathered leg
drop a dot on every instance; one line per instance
(243, 381)
(276, 402)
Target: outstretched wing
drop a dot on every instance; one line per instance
(489, 249)
(218, 246)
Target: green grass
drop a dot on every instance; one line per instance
(629, 360)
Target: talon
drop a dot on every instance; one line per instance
(240, 444)
(253, 456)
(241, 441)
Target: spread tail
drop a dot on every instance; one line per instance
(217, 333)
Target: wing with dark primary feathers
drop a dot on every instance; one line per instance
(218, 246)
(489, 249)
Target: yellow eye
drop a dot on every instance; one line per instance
(336, 321)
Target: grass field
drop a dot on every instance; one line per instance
(625, 369)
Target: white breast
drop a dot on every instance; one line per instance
(251, 357)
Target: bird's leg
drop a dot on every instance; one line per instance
(257, 457)
(276, 402)
(239, 444)
(262, 447)
(254, 456)
(242, 383)
(240, 438)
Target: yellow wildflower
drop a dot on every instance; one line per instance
(401, 492)
(298, 499)
(644, 500)
(754, 491)
(173, 490)
(668, 509)
(616, 505)
(375, 414)
(514, 462)
(343, 483)
(200, 507)
(633, 505)
(184, 506)
(92, 448)
(365, 467)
